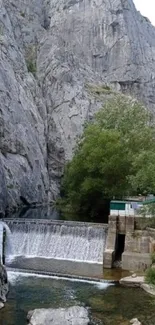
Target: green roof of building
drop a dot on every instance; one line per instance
(127, 201)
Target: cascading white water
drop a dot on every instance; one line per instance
(5, 241)
(60, 241)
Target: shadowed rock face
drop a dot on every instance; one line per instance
(68, 45)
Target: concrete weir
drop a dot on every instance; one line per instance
(58, 246)
(124, 242)
(79, 247)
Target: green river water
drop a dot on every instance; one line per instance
(110, 305)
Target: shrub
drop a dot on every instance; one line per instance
(22, 14)
(142, 223)
(31, 66)
(153, 257)
(150, 276)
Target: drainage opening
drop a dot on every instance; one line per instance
(119, 249)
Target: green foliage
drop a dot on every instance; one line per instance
(31, 66)
(10, 186)
(153, 257)
(113, 158)
(22, 14)
(150, 276)
(147, 210)
(143, 223)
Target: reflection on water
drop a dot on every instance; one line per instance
(113, 305)
(43, 212)
(50, 212)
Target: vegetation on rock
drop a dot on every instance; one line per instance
(153, 257)
(150, 276)
(31, 67)
(113, 158)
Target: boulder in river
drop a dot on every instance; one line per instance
(135, 321)
(62, 316)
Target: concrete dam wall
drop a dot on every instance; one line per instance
(49, 245)
(55, 245)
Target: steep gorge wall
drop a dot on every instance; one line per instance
(74, 43)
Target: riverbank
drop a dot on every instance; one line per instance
(137, 281)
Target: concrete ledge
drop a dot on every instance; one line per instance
(11, 221)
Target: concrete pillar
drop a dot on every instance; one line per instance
(122, 225)
(110, 243)
(130, 224)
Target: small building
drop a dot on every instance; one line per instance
(124, 208)
(129, 207)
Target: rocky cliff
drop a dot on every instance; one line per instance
(4, 287)
(56, 57)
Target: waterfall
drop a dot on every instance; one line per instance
(5, 240)
(59, 241)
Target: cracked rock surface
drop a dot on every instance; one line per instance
(53, 53)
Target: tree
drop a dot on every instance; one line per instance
(113, 158)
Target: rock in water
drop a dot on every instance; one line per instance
(53, 54)
(3, 285)
(135, 321)
(70, 316)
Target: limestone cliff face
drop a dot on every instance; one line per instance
(23, 118)
(69, 45)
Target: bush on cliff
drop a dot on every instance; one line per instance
(114, 157)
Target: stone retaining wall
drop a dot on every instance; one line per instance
(139, 244)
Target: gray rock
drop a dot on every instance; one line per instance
(69, 46)
(1, 305)
(149, 288)
(134, 275)
(3, 285)
(23, 151)
(135, 321)
(70, 316)
(130, 281)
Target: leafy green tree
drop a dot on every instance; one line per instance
(114, 157)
